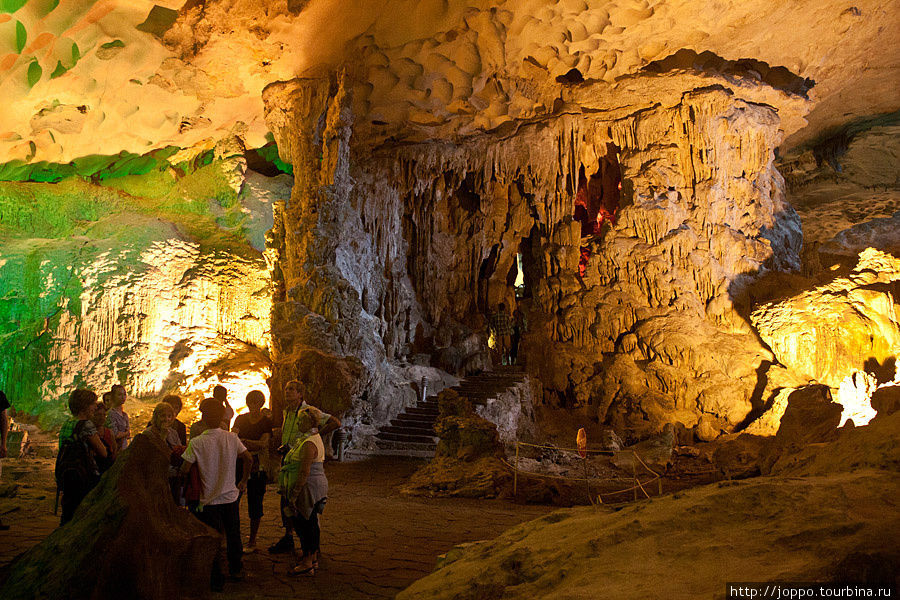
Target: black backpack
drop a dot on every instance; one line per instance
(74, 461)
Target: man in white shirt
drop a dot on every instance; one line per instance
(215, 452)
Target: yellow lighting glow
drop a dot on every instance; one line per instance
(238, 384)
(855, 396)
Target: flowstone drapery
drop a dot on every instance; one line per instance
(392, 250)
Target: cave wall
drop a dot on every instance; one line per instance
(657, 329)
(344, 310)
(157, 281)
(399, 248)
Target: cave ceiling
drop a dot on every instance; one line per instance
(86, 78)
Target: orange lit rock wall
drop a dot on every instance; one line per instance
(392, 248)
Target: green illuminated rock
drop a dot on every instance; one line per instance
(144, 275)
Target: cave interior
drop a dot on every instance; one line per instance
(691, 213)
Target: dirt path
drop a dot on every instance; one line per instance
(375, 542)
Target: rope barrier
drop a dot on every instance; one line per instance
(563, 477)
(573, 450)
(638, 485)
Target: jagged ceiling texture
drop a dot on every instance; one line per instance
(82, 78)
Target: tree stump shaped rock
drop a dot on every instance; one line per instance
(127, 539)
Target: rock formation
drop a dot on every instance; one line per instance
(617, 158)
(801, 332)
(688, 544)
(467, 460)
(185, 73)
(691, 230)
(128, 539)
(827, 513)
(158, 289)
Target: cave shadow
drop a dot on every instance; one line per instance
(757, 403)
(882, 371)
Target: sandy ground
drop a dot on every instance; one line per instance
(375, 542)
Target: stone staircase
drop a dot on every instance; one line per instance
(411, 433)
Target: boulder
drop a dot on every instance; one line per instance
(810, 417)
(875, 446)
(467, 461)
(886, 399)
(739, 457)
(127, 539)
(512, 411)
(484, 477)
(463, 434)
(707, 428)
(656, 453)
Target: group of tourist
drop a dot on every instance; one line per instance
(212, 469)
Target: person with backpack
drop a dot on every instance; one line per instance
(76, 467)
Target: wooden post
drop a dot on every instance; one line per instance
(516, 473)
(587, 483)
(634, 472)
(659, 483)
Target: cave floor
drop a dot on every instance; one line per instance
(375, 542)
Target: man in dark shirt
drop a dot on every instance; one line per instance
(255, 430)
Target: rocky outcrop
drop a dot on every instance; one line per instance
(467, 462)
(678, 542)
(646, 314)
(343, 308)
(810, 417)
(653, 321)
(128, 539)
(512, 411)
(831, 500)
(845, 187)
(801, 330)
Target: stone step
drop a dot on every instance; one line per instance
(490, 389)
(427, 430)
(497, 377)
(492, 380)
(480, 393)
(411, 433)
(404, 420)
(385, 448)
(483, 387)
(402, 437)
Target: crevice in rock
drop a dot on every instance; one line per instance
(746, 68)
